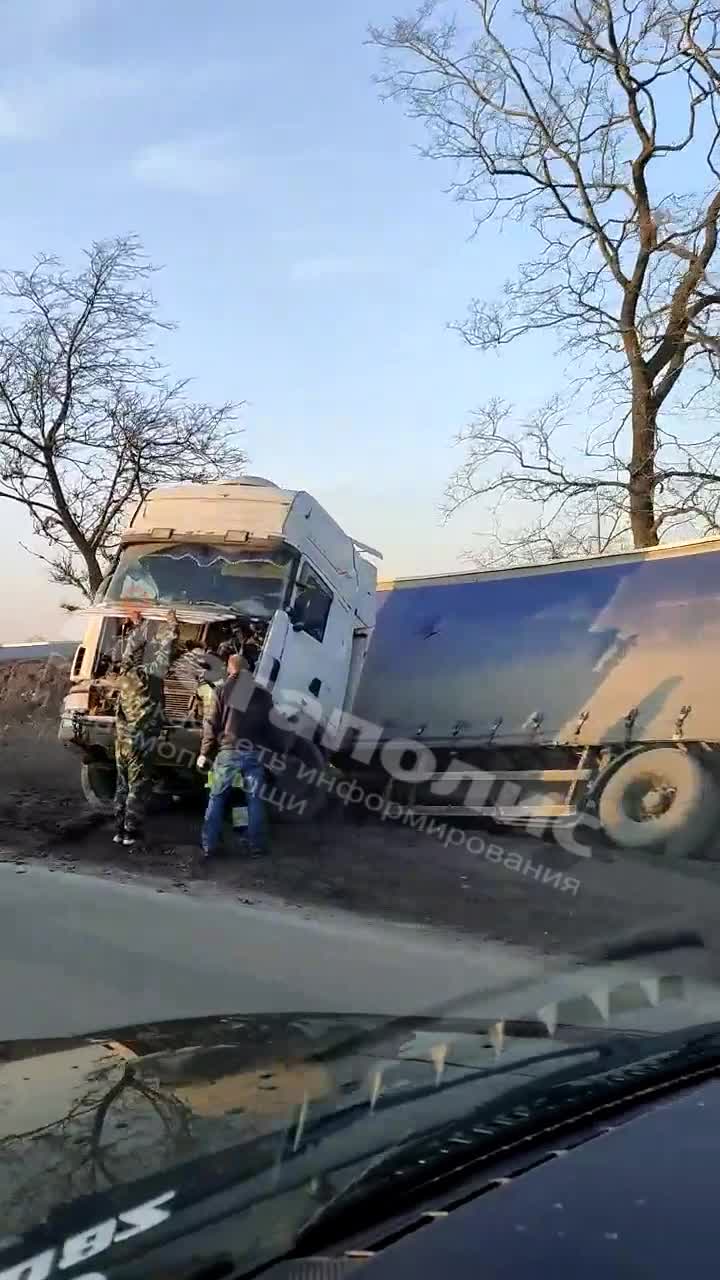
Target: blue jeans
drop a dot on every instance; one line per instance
(225, 770)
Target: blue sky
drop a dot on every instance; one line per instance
(311, 257)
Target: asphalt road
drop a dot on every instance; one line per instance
(78, 953)
(84, 953)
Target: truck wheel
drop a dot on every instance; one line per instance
(299, 798)
(661, 799)
(98, 783)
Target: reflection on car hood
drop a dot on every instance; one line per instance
(99, 1112)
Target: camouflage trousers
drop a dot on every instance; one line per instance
(134, 782)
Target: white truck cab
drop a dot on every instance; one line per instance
(246, 566)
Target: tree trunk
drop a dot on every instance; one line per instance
(642, 467)
(94, 572)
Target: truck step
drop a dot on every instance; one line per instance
(503, 813)
(519, 775)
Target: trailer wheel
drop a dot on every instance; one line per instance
(97, 780)
(663, 800)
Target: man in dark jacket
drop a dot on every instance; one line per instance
(138, 721)
(236, 725)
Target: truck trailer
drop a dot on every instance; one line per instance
(588, 687)
(582, 691)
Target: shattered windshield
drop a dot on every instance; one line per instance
(253, 583)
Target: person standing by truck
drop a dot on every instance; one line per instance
(138, 719)
(236, 726)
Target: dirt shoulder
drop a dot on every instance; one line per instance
(385, 871)
(382, 871)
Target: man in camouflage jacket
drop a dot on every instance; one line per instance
(138, 721)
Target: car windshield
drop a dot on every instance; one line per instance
(253, 583)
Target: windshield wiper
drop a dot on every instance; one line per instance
(650, 943)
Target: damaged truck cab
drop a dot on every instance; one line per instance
(248, 568)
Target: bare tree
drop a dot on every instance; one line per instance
(587, 120)
(88, 420)
(512, 464)
(547, 540)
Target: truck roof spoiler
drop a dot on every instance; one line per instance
(363, 546)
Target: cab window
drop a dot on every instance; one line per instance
(312, 603)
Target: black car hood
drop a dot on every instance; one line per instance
(97, 1125)
(631, 1201)
(95, 1113)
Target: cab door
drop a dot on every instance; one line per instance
(316, 657)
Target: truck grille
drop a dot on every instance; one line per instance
(177, 700)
